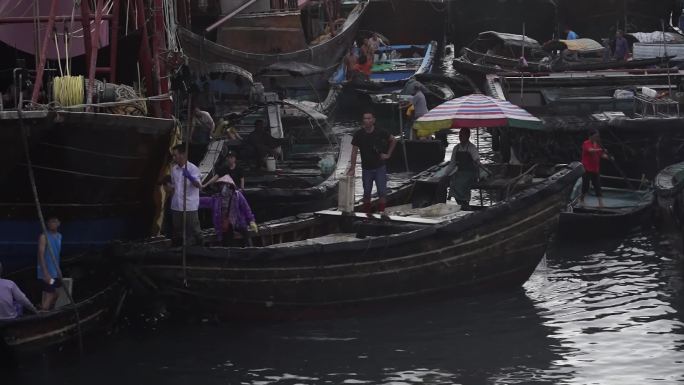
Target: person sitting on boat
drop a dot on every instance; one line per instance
(375, 42)
(350, 60)
(226, 128)
(570, 34)
(364, 67)
(49, 251)
(12, 300)
(262, 143)
(230, 167)
(621, 46)
(465, 167)
(202, 127)
(185, 178)
(376, 146)
(592, 152)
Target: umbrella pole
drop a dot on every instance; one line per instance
(477, 141)
(403, 137)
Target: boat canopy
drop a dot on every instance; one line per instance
(490, 39)
(583, 45)
(656, 37)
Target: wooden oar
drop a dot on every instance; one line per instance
(619, 170)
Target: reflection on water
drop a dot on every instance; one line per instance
(601, 313)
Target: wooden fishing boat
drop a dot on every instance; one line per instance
(642, 139)
(273, 45)
(590, 18)
(669, 185)
(300, 182)
(327, 263)
(96, 172)
(395, 65)
(626, 204)
(98, 294)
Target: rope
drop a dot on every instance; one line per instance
(68, 90)
(51, 251)
(59, 59)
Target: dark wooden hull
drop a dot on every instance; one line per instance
(326, 55)
(491, 64)
(598, 65)
(96, 172)
(641, 146)
(495, 248)
(506, 64)
(670, 205)
(586, 225)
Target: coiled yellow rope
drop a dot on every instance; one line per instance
(68, 90)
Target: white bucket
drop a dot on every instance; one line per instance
(270, 164)
(345, 194)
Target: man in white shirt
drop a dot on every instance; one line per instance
(185, 181)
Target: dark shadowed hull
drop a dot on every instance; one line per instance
(670, 205)
(589, 225)
(326, 55)
(95, 172)
(495, 248)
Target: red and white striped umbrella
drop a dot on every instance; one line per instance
(474, 111)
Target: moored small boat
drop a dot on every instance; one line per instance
(669, 185)
(328, 263)
(98, 294)
(625, 205)
(395, 65)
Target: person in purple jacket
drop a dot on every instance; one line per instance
(231, 212)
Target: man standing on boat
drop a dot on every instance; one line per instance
(185, 180)
(376, 146)
(621, 46)
(202, 127)
(12, 300)
(592, 152)
(49, 250)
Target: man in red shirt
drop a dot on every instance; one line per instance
(592, 152)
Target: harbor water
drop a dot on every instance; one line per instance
(602, 313)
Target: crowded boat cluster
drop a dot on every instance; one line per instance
(183, 152)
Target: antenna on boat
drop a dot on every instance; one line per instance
(669, 80)
(522, 58)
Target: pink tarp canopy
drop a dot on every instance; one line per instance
(23, 36)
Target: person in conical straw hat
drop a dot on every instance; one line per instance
(236, 214)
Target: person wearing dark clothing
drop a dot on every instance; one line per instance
(592, 152)
(202, 127)
(376, 146)
(262, 143)
(621, 46)
(231, 168)
(465, 167)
